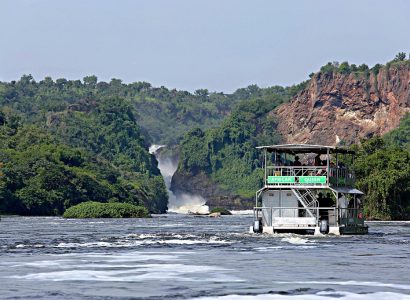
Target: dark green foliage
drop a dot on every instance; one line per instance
(165, 115)
(344, 68)
(383, 173)
(101, 121)
(363, 68)
(221, 210)
(42, 176)
(401, 135)
(96, 152)
(227, 154)
(87, 210)
(328, 68)
(376, 69)
(401, 56)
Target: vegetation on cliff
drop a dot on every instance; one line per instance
(165, 114)
(383, 173)
(91, 209)
(401, 135)
(98, 124)
(227, 154)
(346, 68)
(93, 150)
(39, 175)
(382, 169)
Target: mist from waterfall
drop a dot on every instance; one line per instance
(183, 203)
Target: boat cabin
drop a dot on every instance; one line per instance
(308, 189)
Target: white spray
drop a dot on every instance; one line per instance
(184, 203)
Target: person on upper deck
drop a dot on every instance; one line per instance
(318, 162)
(297, 162)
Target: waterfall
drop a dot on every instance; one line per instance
(184, 203)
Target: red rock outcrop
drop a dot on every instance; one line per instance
(340, 108)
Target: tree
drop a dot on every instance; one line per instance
(2, 118)
(401, 56)
(203, 93)
(383, 173)
(363, 68)
(344, 68)
(90, 81)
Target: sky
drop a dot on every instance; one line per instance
(220, 45)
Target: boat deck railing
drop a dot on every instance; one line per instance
(300, 217)
(319, 176)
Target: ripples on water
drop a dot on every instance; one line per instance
(183, 257)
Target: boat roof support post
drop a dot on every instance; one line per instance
(328, 165)
(266, 167)
(337, 169)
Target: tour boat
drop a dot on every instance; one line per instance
(308, 189)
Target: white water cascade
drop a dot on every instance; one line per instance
(183, 203)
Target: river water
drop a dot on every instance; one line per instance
(182, 257)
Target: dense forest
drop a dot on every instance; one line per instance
(58, 153)
(164, 115)
(382, 170)
(227, 154)
(69, 141)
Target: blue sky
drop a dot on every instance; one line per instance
(220, 45)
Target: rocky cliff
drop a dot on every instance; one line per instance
(338, 108)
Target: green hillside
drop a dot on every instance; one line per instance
(382, 169)
(109, 126)
(39, 119)
(227, 154)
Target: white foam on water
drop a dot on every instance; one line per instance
(242, 212)
(135, 273)
(318, 296)
(146, 240)
(182, 242)
(188, 204)
(87, 245)
(295, 240)
(351, 283)
(268, 248)
(142, 235)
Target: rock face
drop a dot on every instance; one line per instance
(342, 108)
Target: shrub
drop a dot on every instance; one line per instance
(344, 68)
(401, 56)
(105, 210)
(221, 210)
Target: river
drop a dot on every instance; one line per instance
(182, 257)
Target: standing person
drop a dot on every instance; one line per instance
(343, 202)
(328, 201)
(297, 162)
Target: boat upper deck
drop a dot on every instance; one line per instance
(308, 166)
